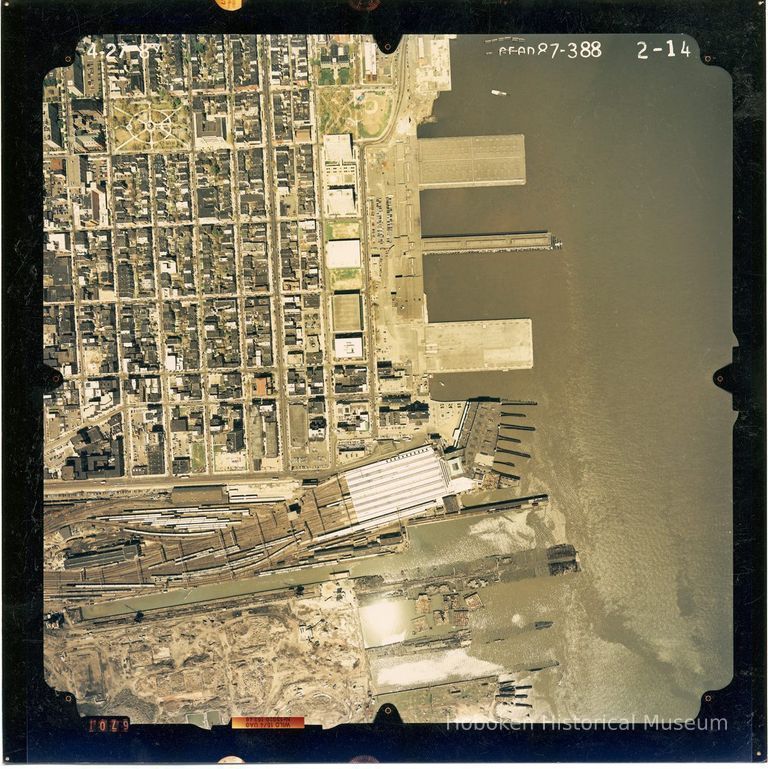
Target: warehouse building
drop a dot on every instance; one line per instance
(341, 201)
(124, 552)
(338, 148)
(342, 253)
(398, 488)
(348, 346)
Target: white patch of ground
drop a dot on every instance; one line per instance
(456, 664)
(508, 533)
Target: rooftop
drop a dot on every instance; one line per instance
(338, 148)
(342, 253)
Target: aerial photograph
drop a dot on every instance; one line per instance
(387, 378)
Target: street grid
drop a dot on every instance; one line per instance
(170, 287)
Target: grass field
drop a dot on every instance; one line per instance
(325, 77)
(345, 278)
(363, 113)
(342, 229)
(197, 450)
(373, 113)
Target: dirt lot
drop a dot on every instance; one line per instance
(302, 657)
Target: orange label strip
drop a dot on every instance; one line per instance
(268, 722)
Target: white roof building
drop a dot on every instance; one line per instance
(338, 148)
(369, 58)
(348, 347)
(340, 201)
(398, 488)
(342, 253)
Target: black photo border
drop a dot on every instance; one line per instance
(41, 726)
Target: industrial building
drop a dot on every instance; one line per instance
(118, 554)
(339, 172)
(397, 488)
(340, 201)
(369, 60)
(342, 253)
(348, 346)
(338, 148)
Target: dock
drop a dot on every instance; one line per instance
(482, 345)
(472, 161)
(471, 244)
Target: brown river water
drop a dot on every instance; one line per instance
(629, 164)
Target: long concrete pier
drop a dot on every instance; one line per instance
(468, 244)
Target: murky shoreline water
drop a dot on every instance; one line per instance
(630, 167)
